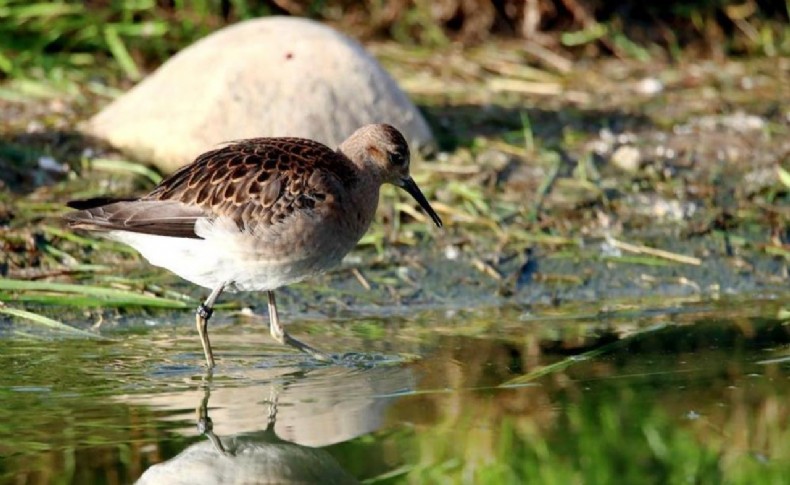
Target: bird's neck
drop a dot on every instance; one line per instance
(365, 189)
(365, 200)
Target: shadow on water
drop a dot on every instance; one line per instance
(689, 393)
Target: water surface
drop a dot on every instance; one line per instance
(682, 393)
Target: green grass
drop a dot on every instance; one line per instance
(65, 294)
(123, 39)
(47, 35)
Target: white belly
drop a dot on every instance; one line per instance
(237, 259)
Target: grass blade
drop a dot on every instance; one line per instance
(784, 175)
(121, 53)
(45, 321)
(80, 295)
(125, 166)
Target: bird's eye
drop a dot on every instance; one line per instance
(398, 159)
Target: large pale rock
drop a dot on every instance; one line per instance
(275, 76)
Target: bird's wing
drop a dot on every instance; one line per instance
(261, 182)
(254, 183)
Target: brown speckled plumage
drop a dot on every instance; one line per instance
(261, 180)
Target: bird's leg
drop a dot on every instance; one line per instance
(202, 315)
(279, 334)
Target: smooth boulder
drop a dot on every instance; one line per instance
(274, 76)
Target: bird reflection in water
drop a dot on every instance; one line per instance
(259, 457)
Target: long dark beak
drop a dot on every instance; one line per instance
(411, 187)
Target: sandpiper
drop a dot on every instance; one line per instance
(259, 214)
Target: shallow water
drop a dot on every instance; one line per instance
(682, 393)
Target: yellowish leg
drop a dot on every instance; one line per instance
(202, 316)
(280, 335)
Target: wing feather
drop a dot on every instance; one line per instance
(164, 218)
(255, 183)
(271, 179)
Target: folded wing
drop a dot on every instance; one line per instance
(256, 184)
(164, 218)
